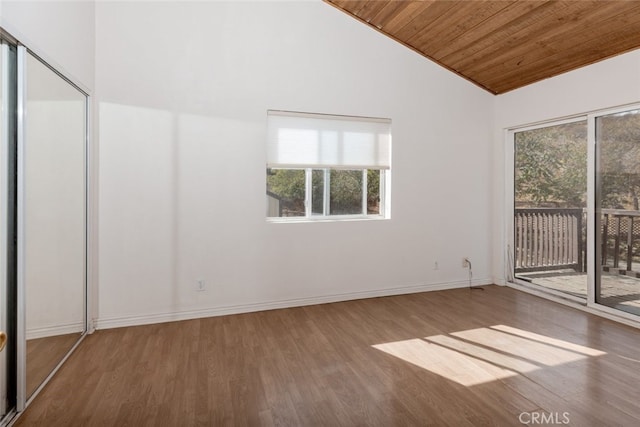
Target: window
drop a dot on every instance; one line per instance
(327, 167)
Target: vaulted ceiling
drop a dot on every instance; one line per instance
(504, 45)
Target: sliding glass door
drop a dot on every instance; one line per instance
(575, 229)
(550, 195)
(618, 210)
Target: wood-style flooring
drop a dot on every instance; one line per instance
(43, 355)
(461, 357)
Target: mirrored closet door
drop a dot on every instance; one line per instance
(53, 218)
(43, 222)
(8, 141)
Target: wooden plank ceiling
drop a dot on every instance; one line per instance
(504, 45)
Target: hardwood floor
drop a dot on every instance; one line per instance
(459, 357)
(43, 355)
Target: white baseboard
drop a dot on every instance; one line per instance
(118, 322)
(499, 281)
(50, 331)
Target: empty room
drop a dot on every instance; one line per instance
(319, 213)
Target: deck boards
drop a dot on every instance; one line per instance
(461, 357)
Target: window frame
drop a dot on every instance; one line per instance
(383, 211)
(311, 142)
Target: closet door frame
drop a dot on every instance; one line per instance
(21, 399)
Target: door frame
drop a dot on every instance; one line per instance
(7, 222)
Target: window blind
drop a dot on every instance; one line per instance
(304, 140)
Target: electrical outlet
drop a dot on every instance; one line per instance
(435, 265)
(465, 262)
(200, 285)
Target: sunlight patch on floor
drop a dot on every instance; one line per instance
(482, 355)
(450, 364)
(548, 340)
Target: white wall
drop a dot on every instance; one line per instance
(183, 90)
(611, 83)
(61, 31)
(54, 218)
(54, 204)
(63, 34)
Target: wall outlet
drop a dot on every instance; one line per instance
(201, 285)
(465, 262)
(435, 265)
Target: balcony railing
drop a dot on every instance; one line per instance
(549, 239)
(620, 241)
(554, 239)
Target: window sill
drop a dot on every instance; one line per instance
(322, 218)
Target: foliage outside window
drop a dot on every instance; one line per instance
(619, 160)
(347, 194)
(322, 166)
(551, 166)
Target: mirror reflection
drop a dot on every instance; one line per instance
(54, 207)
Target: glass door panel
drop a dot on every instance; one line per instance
(617, 211)
(550, 220)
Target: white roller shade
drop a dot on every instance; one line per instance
(302, 140)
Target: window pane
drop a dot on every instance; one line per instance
(317, 195)
(346, 192)
(285, 192)
(551, 167)
(373, 191)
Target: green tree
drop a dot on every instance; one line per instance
(551, 166)
(345, 189)
(373, 186)
(618, 137)
(289, 186)
(551, 163)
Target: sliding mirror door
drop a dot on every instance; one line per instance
(8, 99)
(43, 211)
(550, 221)
(54, 215)
(618, 211)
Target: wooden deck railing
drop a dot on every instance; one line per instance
(550, 239)
(620, 242)
(547, 239)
